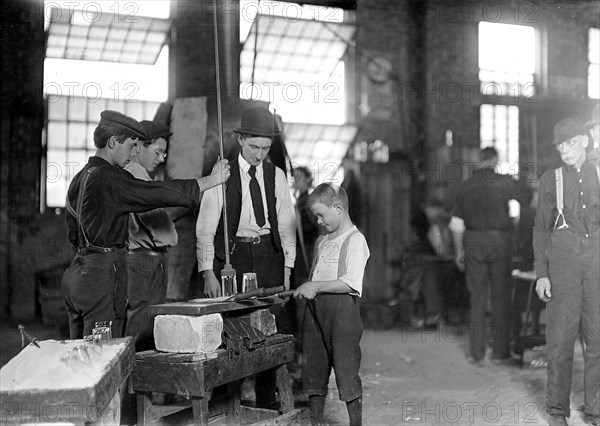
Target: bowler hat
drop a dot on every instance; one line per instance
(122, 122)
(257, 121)
(155, 130)
(567, 128)
(595, 117)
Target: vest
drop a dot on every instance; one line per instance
(233, 194)
(343, 259)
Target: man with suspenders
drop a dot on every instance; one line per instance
(567, 266)
(99, 200)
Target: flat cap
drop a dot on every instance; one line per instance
(567, 129)
(155, 129)
(123, 122)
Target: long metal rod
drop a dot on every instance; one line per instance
(220, 125)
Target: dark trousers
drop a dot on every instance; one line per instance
(488, 260)
(95, 289)
(268, 264)
(261, 258)
(443, 287)
(146, 285)
(331, 339)
(574, 273)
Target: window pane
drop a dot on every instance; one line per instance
(594, 45)
(57, 135)
(57, 107)
(77, 109)
(594, 81)
(77, 135)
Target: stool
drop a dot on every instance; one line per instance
(525, 340)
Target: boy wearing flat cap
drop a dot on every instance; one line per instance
(99, 201)
(567, 266)
(150, 236)
(261, 222)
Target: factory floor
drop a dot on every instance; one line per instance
(413, 377)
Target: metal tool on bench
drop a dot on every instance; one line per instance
(25, 335)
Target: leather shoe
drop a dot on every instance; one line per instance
(476, 362)
(504, 361)
(591, 419)
(557, 420)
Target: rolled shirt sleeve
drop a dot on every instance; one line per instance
(206, 227)
(286, 218)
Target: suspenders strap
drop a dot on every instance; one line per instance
(77, 213)
(560, 203)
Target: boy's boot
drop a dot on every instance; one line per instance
(355, 411)
(316, 404)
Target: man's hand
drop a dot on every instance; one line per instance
(212, 288)
(460, 264)
(306, 291)
(543, 289)
(220, 173)
(287, 271)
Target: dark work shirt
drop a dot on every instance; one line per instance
(112, 193)
(581, 191)
(482, 200)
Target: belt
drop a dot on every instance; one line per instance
(252, 240)
(159, 251)
(82, 251)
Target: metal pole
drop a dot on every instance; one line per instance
(227, 271)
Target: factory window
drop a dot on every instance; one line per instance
(293, 57)
(69, 138)
(507, 58)
(499, 128)
(80, 82)
(594, 63)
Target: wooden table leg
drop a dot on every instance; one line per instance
(285, 391)
(233, 402)
(200, 410)
(144, 407)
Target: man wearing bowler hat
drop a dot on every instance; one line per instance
(99, 200)
(567, 265)
(261, 219)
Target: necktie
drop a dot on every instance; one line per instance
(257, 204)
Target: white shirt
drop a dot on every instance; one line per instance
(212, 206)
(328, 255)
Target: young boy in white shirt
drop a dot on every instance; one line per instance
(332, 324)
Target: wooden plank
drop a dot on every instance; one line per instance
(185, 379)
(233, 402)
(223, 370)
(200, 410)
(285, 392)
(191, 307)
(264, 417)
(144, 407)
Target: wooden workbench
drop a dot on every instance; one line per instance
(58, 394)
(195, 375)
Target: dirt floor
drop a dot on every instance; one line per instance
(415, 377)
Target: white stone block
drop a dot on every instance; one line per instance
(188, 334)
